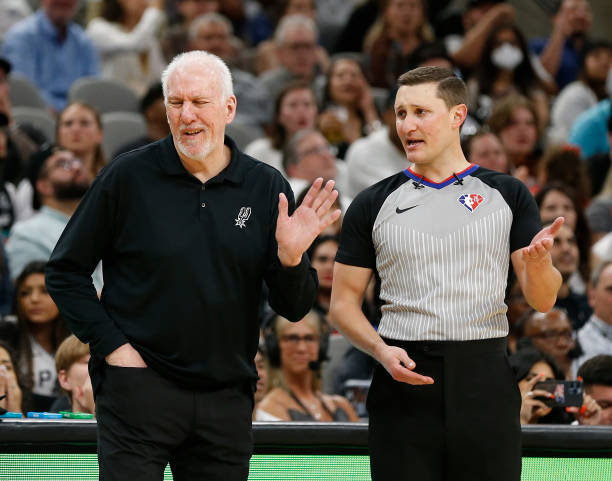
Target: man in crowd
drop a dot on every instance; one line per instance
(60, 184)
(188, 230)
(71, 361)
(561, 53)
(51, 50)
(307, 156)
(296, 40)
(595, 337)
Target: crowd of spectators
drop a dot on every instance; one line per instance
(315, 87)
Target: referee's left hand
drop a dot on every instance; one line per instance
(542, 242)
(295, 233)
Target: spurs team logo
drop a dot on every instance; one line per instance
(243, 216)
(471, 201)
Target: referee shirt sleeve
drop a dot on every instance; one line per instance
(356, 247)
(526, 217)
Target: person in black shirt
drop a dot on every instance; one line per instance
(188, 229)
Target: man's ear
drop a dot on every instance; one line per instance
(458, 115)
(231, 105)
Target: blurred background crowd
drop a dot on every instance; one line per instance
(315, 86)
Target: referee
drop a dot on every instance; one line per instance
(440, 235)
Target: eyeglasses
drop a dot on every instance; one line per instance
(300, 46)
(67, 163)
(322, 149)
(294, 339)
(552, 335)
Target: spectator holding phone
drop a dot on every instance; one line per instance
(530, 367)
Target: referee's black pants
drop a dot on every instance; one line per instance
(146, 422)
(465, 426)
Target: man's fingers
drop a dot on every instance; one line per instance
(312, 192)
(323, 195)
(283, 205)
(327, 203)
(329, 219)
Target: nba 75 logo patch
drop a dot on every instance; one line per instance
(471, 201)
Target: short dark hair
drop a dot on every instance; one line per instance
(451, 88)
(597, 370)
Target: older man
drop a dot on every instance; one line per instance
(595, 337)
(188, 229)
(51, 50)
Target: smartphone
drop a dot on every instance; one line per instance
(567, 393)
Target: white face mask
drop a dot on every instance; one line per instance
(507, 56)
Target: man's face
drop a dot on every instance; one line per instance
(197, 113)
(551, 333)
(316, 159)
(579, 15)
(565, 253)
(600, 296)
(66, 177)
(298, 52)
(423, 122)
(59, 12)
(603, 395)
(213, 38)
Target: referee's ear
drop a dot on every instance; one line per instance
(458, 113)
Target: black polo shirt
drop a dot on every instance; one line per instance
(183, 265)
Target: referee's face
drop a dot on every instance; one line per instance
(424, 123)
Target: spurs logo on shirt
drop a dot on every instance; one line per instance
(243, 216)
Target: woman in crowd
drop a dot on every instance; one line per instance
(347, 111)
(399, 30)
(530, 367)
(127, 37)
(485, 149)
(39, 331)
(11, 396)
(583, 93)
(295, 351)
(506, 68)
(295, 109)
(79, 129)
(515, 121)
(556, 199)
(322, 254)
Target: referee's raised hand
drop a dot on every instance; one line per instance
(542, 242)
(295, 233)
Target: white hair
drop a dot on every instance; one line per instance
(210, 64)
(206, 19)
(291, 22)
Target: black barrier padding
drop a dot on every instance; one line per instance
(76, 436)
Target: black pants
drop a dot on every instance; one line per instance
(146, 422)
(465, 426)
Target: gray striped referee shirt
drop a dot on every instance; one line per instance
(441, 250)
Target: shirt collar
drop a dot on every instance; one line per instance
(56, 214)
(603, 326)
(171, 164)
(45, 25)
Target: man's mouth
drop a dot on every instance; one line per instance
(191, 132)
